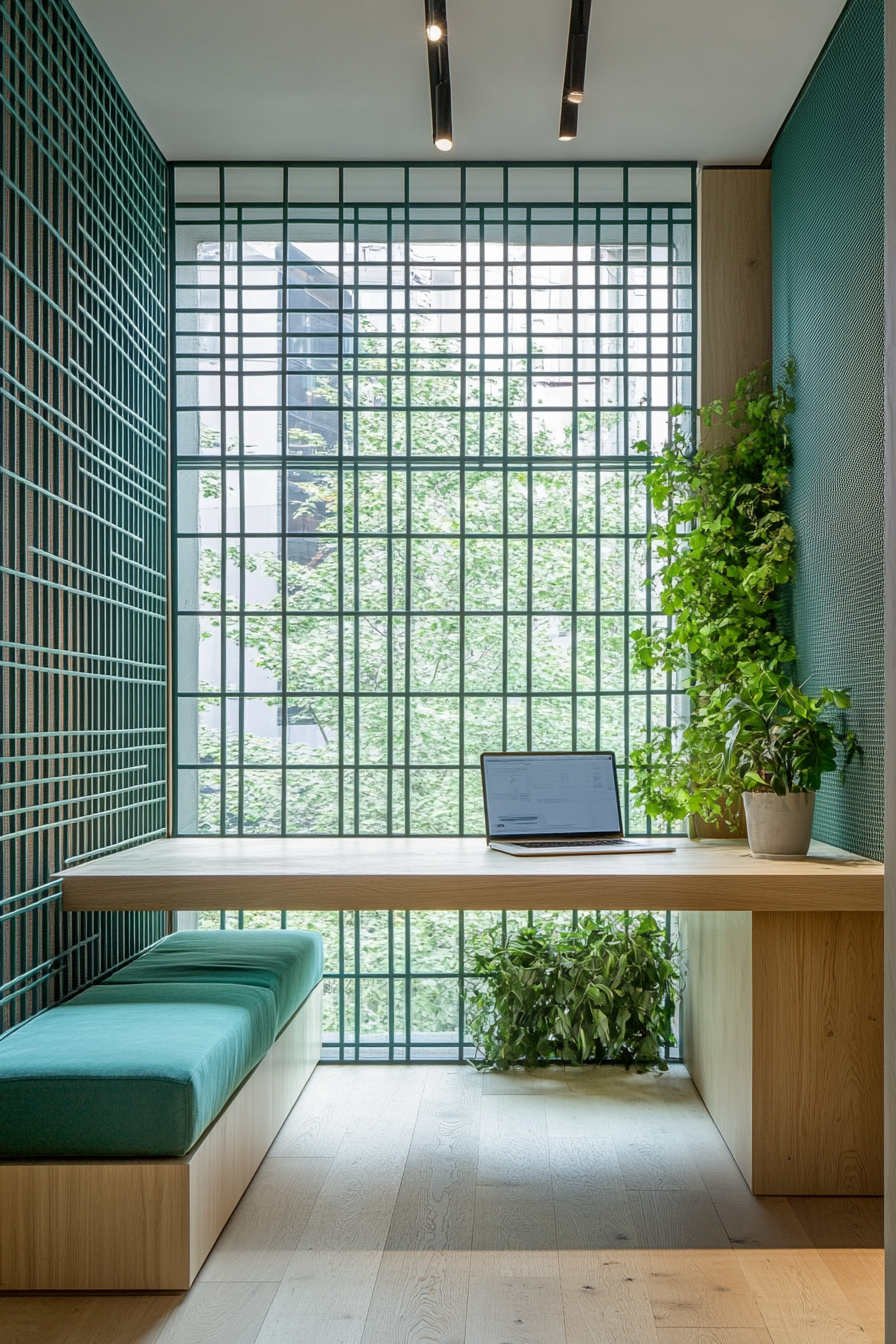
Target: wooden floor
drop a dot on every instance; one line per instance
(409, 1204)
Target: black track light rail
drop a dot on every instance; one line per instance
(436, 19)
(574, 74)
(439, 73)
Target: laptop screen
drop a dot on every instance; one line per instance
(551, 794)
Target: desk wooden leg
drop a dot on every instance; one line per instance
(783, 1036)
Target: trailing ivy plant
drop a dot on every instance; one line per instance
(724, 545)
(604, 991)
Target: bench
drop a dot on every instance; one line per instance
(133, 1116)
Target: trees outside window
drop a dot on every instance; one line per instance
(411, 526)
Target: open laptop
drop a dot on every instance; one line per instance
(540, 804)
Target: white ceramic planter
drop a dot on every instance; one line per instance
(779, 828)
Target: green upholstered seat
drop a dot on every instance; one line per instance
(130, 1070)
(288, 962)
(140, 1065)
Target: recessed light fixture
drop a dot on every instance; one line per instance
(574, 74)
(439, 78)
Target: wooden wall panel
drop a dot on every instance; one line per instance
(717, 1031)
(818, 1054)
(734, 277)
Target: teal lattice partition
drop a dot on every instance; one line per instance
(82, 570)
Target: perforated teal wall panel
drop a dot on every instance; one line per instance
(828, 228)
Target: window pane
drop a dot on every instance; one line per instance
(412, 525)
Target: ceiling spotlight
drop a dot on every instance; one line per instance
(442, 136)
(436, 20)
(569, 120)
(576, 50)
(439, 78)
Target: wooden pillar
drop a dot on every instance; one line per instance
(783, 1035)
(734, 283)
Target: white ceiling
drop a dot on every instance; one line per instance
(710, 80)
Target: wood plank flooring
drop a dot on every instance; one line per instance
(435, 1205)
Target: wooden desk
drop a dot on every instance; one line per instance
(783, 1013)
(462, 874)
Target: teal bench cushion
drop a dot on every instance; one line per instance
(288, 962)
(130, 1070)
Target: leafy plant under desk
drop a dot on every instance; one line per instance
(604, 991)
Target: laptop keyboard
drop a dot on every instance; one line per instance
(567, 844)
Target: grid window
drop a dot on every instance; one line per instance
(411, 522)
(393, 990)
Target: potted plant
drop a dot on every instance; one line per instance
(778, 745)
(725, 546)
(602, 990)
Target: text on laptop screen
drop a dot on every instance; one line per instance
(551, 795)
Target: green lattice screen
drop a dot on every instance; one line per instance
(82, 574)
(828, 224)
(411, 521)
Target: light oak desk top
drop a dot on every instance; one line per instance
(374, 873)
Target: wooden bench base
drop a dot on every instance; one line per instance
(148, 1224)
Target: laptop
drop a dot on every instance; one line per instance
(540, 804)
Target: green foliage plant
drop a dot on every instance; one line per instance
(604, 991)
(777, 738)
(724, 546)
